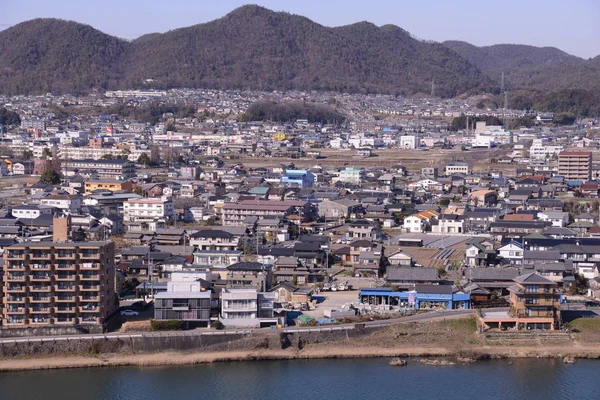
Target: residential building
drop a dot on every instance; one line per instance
(575, 165)
(457, 167)
(102, 169)
(107, 185)
(53, 283)
(185, 299)
(146, 210)
(236, 213)
(247, 308)
(298, 178)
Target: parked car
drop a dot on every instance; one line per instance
(129, 313)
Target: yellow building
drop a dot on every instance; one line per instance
(113, 186)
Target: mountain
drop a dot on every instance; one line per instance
(251, 47)
(255, 48)
(51, 55)
(545, 68)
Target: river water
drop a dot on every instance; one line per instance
(314, 379)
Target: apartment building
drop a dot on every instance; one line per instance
(103, 169)
(54, 283)
(110, 185)
(62, 201)
(575, 165)
(187, 298)
(145, 210)
(457, 168)
(236, 213)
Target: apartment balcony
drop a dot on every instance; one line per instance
(16, 267)
(16, 255)
(39, 255)
(40, 267)
(90, 308)
(89, 255)
(65, 288)
(40, 277)
(11, 289)
(16, 310)
(16, 277)
(41, 319)
(89, 277)
(239, 308)
(41, 310)
(66, 309)
(66, 319)
(89, 288)
(66, 266)
(91, 267)
(65, 255)
(87, 298)
(40, 288)
(65, 277)
(40, 299)
(65, 299)
(16, 299)
(16, 320)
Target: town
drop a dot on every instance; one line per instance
(138, 210)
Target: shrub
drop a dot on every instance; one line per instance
(170, 325)
(218, 325)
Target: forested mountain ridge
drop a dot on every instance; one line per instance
(255, 48)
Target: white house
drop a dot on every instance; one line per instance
(31, 211)
(558, 218)
(400, 258)
(512, 252)
(62, 201)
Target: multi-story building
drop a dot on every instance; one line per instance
(103, 169)
(575, 165)
(53, 283)
(188, 298)
(247, 307)
(214, 239)
(236, 213)
(110, 185)
(147, 210)
(298, 178)
(457, 168)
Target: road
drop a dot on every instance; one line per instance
(430, 316)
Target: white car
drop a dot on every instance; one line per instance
(129, 313)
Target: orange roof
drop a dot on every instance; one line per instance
(518, 217)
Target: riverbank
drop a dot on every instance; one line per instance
(452, 339)
(166, 359)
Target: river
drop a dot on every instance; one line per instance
(343, 379)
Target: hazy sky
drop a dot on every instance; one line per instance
(570, 25)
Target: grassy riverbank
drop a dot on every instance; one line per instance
(454, 338)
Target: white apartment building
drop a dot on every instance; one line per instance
(138, 210)
(350, 175)
(247, 308)
(540, 151)
(457, 168)
(62, 201)
(31, 211)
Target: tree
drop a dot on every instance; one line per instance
(138, 190)
(46, 153)
(143, 159)
(50, 176)
(108, 156)
(27, 155)
(8, 117)
(565, 118)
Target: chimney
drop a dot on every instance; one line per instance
(61, 230)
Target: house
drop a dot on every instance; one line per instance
(535, 304)
(484, 197)
(557, 218)
(400, 259)
(91, 186)
(185, 299)
(362, 229)
(421, 221)
(412, 275)
(448, 223)
(214, 239)
(285, 292)
(339, 209)
(512, 252)
(247, 308)
(298, 178)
